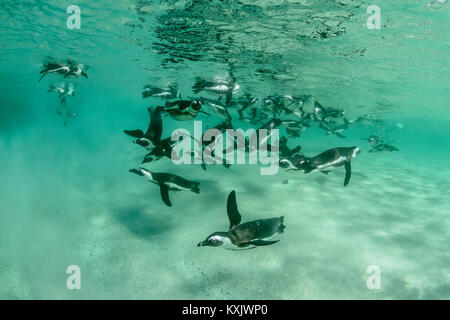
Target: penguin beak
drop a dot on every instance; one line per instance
(136, 171)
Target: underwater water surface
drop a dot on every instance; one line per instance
(67, 196)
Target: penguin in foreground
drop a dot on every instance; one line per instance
(247, 235)
(167, 182)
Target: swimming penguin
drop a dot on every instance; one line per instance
(273, 105)
(76, 71)
(171, 92)
(205, 150)
(310, 107)
(333, 127)
(163, 149)
(183, 110)
(64, 90)
(152, 137)
(285, 151)
(64, 111)
(218, 107)
(383, 147)
(335, 157)
(375, 139)
(67, 69)
(167, 182)
(295, 128)
(247, 235)
(245, 102)
(53, 67)
(220, 87)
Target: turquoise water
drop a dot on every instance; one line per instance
(67, 198)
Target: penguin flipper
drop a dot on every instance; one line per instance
(43, 75)
(154, 130)
(198, 86)
(325, 172)
(232, 210)
(260, 243)
(134, 133)
(204, 112)
(165, 195)
(147, 158)
(348, 172)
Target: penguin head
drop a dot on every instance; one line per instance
(216, 239)
(356, 150)
(142, 142)
(286, 164)
(196, 105)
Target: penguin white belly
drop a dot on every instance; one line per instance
(218, 89)
(173, 186)
(149, 176)
(331, 164)
(227, 244)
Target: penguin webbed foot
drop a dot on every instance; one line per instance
(196, 189)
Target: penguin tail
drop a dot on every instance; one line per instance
(196, 189)
(282, 226)
(198, 86)
(146, 94)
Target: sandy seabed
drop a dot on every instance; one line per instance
(114, 226)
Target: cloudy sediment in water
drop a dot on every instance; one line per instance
(322, 68)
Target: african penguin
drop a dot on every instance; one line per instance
(246, 235)
(152, 137)
(167, 182)
(219, 88)
(167, 93)
(183, 110)
(335, 157)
